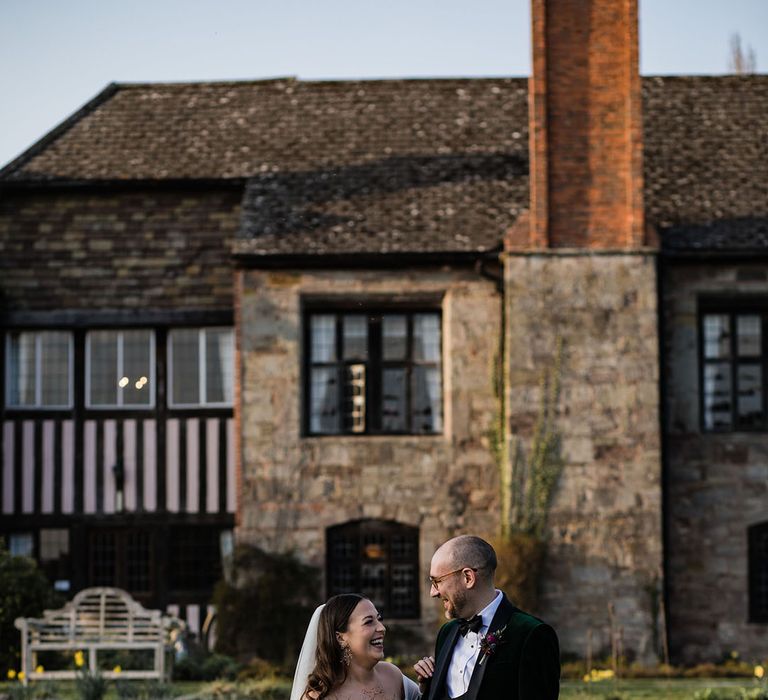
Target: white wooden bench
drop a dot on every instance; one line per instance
(96, 619)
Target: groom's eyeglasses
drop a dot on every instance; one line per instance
(437, 580)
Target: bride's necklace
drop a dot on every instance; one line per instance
(376, 692)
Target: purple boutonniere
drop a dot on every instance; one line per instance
(489, 643)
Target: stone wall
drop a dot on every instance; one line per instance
(717, 482)
(133, 249)
(605, 543)
(294, 487)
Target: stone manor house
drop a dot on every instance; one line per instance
(294, 313)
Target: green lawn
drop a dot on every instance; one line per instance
(672, 689)
(667, 689)
(65, 690)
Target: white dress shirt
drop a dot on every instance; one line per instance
(466, 651)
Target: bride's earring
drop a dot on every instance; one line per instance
(346, 653)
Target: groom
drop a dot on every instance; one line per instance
(489, 649)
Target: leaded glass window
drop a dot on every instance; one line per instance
(120, 366)
(39, 369)
(201, 363)
(373, 373)
(378, 559)
(733, 376)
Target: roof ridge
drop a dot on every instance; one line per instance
(312, 81)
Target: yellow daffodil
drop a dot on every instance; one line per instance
(11, 674)
(39, 669)
(79, 659)
(117, 669)
(759, 671)
(598, 674)
(20, 675)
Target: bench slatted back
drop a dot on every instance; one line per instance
(99, 615)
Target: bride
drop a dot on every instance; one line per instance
(342, 656)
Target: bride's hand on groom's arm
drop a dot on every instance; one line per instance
(425, 669)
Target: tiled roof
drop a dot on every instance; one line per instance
(706, 161)
(406, 165)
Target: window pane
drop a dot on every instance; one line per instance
(394, 336)
(354, 398)
(103, 558)
(21, 545)
(717, 336)
(103, 368)
(748, 336)
(426, 414)
(324, 390)
(219, 359)
(195, 558)
(426, 337)
(355, 337)
(21, 369)
(323, 332)
(137, 364)
(54, 368)
(393, 419)
(54, 543)
(373, 584)
(717, 396)
(404, 580)
(750, 395)
(138, 561)
(185, 357)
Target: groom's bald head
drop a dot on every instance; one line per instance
(472, 552)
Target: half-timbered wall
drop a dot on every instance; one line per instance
(194, 473)
(142, 496)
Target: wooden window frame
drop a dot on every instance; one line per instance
(733, 308)
(201, 369)
(185, 538)
(38, 405)
(374, 364)
(388, 529)
(121, 537)
(152, 379)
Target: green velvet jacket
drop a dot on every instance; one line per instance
(524, 665)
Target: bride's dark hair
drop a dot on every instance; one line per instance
(330, 671)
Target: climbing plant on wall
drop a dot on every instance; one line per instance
(529, 471)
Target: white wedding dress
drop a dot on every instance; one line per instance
(306, 663)
(411, 689)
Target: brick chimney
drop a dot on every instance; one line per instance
(585, 127)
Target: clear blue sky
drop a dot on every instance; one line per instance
(57, 54)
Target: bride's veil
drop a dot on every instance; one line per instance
(306, 663)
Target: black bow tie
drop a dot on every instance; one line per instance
(474, 624)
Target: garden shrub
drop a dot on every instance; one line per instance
(143, 690)
(24, 592)
(730, 668)
(256, 669)
(41, 690)
(200, 665)
(265, 609)
(90, 685)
